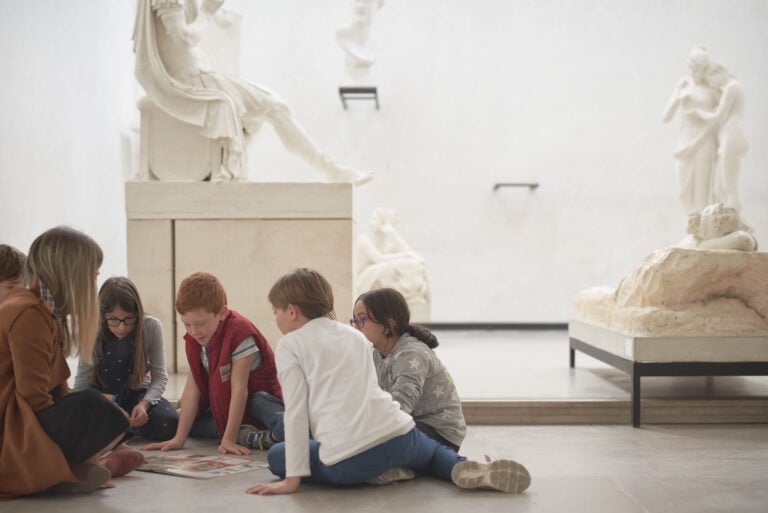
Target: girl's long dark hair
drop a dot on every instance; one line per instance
(385, 305)
(120, 291)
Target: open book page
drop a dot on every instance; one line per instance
(198, 466)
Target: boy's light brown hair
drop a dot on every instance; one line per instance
(201, 290)
(11, 262)
(308, 290)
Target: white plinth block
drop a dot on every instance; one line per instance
(247, 234)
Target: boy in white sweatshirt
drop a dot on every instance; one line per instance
(331, 393)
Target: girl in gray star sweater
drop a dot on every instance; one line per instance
(407, 366)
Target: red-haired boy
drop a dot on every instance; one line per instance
(232, 384)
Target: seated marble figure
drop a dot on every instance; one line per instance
(178, 77)
(384, 259)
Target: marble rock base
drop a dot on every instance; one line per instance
(685, 292)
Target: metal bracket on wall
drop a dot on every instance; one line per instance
(531, 185)
(358, 93)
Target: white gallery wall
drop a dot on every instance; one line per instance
(564, 93)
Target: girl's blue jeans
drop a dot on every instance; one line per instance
(413, 450)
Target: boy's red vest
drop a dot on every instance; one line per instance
(215, 385)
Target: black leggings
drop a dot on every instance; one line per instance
(82, 424)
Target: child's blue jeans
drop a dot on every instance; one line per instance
(414, 450)
(262, 405)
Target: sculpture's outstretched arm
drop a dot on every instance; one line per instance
(724, 106)
(403, 248)
(366, 248)
(738, 240)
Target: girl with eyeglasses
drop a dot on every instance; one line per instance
(129, 361)
(407, 366)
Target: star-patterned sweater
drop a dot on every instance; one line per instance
(419, 381)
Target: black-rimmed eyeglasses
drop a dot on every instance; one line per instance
(114, 322)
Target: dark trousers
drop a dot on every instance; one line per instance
(163, 418)
(82, 424)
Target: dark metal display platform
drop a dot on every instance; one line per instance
(648, 365)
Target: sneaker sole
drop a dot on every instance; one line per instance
(503, 475)
(242, 434)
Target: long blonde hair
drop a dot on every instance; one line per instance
(67, 262)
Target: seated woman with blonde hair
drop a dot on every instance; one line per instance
(51, 439)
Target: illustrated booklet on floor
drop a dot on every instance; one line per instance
(198, 466)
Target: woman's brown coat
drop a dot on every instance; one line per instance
(32, 365)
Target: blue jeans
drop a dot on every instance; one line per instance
(269, 410)
(262, 405)
(414, 450)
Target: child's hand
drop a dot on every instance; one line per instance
(139, 415)
(228, 446)
(168, 445)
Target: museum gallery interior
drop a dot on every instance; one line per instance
(571, 196)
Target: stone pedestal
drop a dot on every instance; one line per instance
(247, 234)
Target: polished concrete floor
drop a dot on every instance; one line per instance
(676, 468)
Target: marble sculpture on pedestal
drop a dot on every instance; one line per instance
(177, 76)
(713, 284)
(384, 259)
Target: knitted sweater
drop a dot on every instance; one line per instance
(419, 381)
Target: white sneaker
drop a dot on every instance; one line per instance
(503, 475)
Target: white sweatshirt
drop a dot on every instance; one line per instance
(331, 390)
